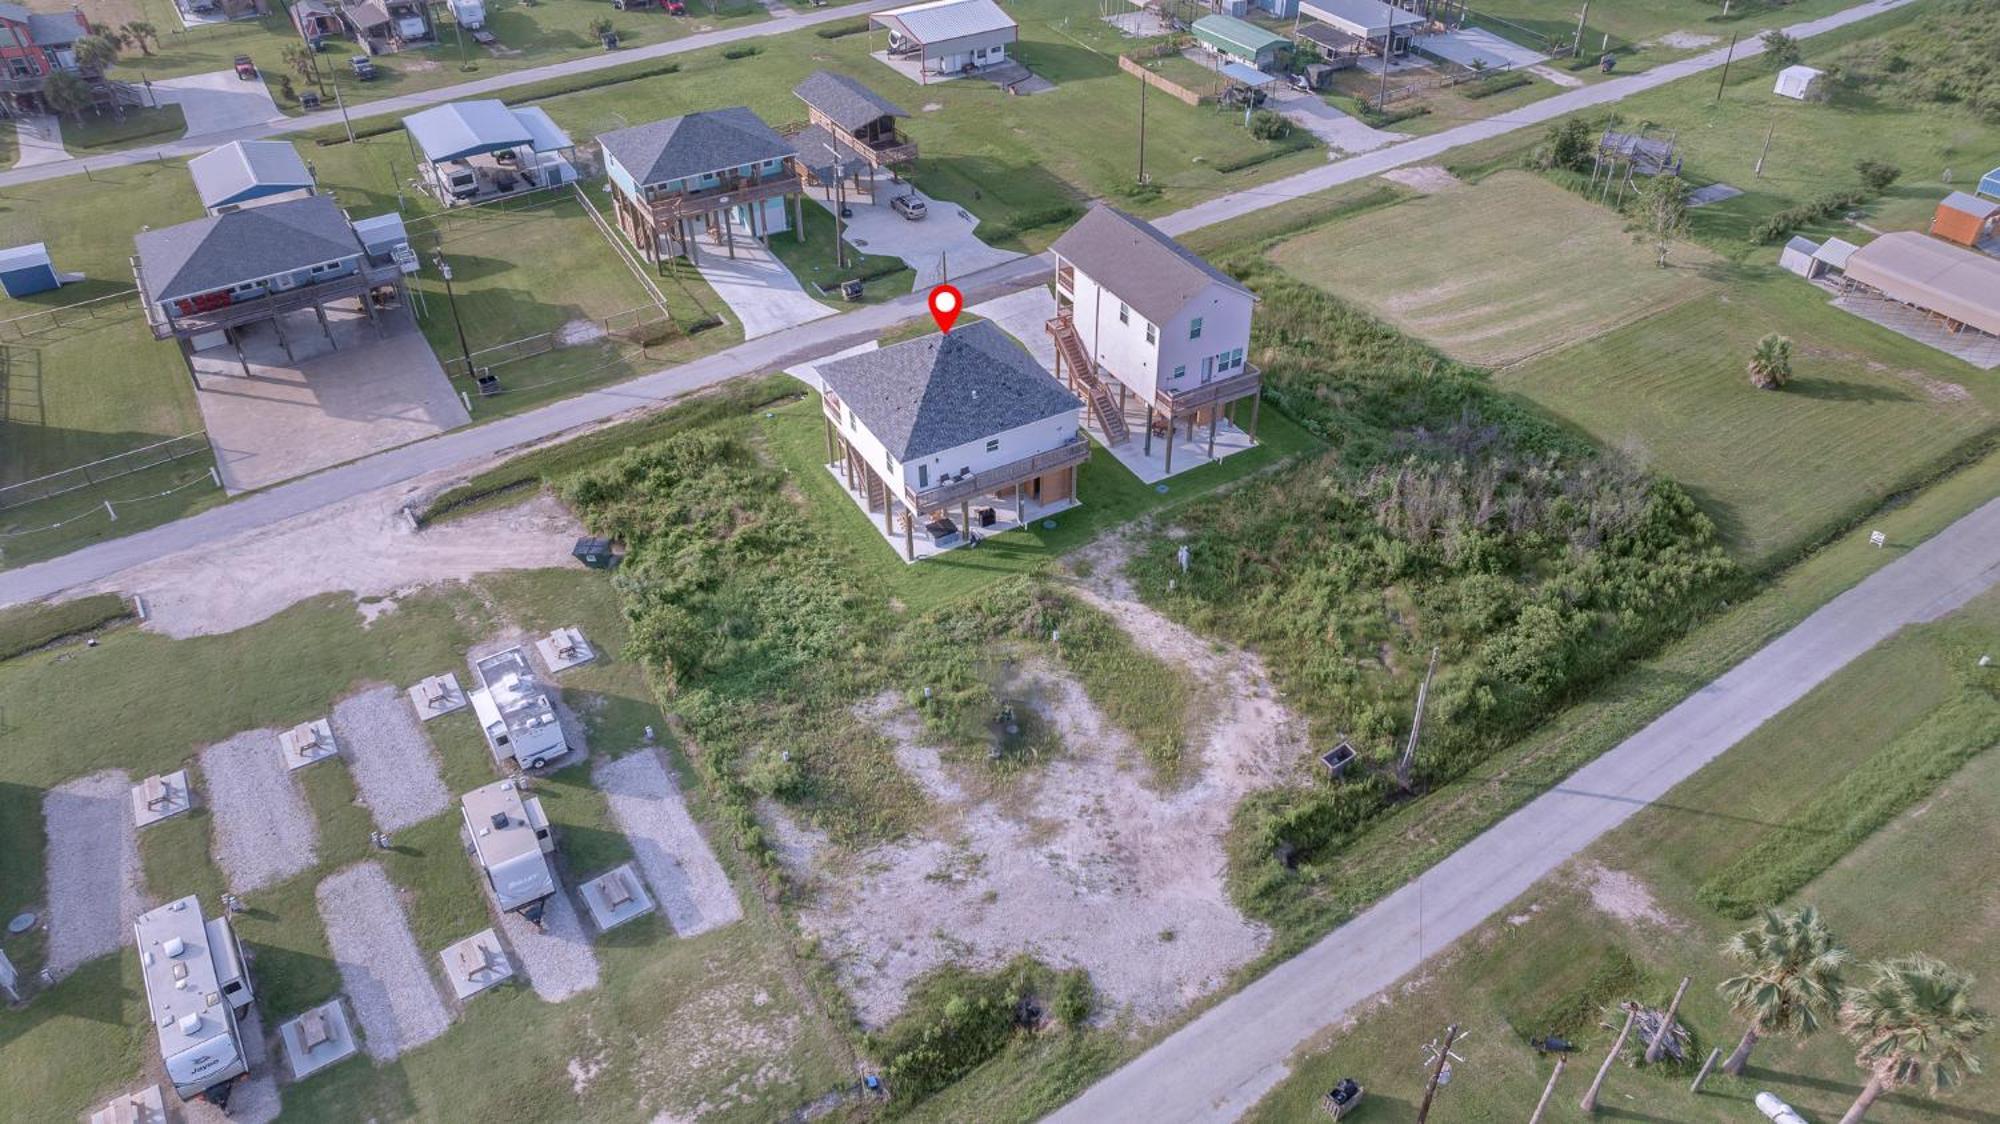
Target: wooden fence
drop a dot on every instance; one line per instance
(1161, 82)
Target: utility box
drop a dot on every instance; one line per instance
(515, 713)
(511, 839)
(196, 985)
(595, 553)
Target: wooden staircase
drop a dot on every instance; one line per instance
(1083, 372)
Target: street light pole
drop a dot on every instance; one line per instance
(839, 207)
(451, 298)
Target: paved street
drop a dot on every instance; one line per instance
(1216, 1067)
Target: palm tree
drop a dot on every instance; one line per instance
(301, 59)
(140, 31)
(97, 53)
(1914, 1024)
(67, 93)
(1770, 364)
(1791, 977)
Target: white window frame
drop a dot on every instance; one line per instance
(993, 445)
(1180, 371)
(1124, 314)
(1152, 334)
(1194, 328)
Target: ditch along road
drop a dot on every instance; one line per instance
(463, 448)
(784, 20)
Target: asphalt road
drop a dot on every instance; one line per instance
(403, 104)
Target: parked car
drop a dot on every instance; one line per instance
(245, 69)
(910, 207)
(364, 67)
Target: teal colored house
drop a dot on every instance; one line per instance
(1240, 40)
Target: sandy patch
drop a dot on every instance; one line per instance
(1085, 865)
(579, 332)
(264, 832)
(393, 766)
(96, 885)
(721, 1030)
(1683, 40)
(1623, 896)
(1427, 178)
(387, 979)
(364, 546)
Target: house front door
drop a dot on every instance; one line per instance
(1207, 370)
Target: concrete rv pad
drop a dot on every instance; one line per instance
(339, 1043)
(171, 798)
(450, 696)
(475, 964)
(671, 849)
(386, 978)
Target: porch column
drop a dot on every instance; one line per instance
(888, 509)
(1149, 429)
(1171, 430)
(1214, 416)
(235, 337)
(1254, 403)
(965, 517)
(278, 326)
(799, 216)
(187, 357)
(909, 537)
(729, 232)
(829, 437)
(1020, 511)
(325, 328)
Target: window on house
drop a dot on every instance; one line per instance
(326, 267)
(1151, 335)
(1124, 314)
(993, 446)
(923, 476)
(1236, 359)
(245, 287)
(1194, 328)
(1180, 371)
(1207, 368)
(892, 463)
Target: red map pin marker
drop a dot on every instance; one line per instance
(946, 304)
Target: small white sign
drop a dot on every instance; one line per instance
(1878, 539)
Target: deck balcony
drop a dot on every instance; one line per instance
(372, 274)
(730, 192)
(1180, 402)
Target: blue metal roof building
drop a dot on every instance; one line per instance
(26, 270)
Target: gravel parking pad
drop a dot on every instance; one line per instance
(394, 767)
(558, 957)
(672, 851)
(388, 981)
(95, 883)
(264, 832)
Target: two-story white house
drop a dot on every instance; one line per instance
(1139, 316)
(713, 172)
(952, 435)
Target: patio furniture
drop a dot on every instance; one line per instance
(436, 693)
(158, 795)
(984, 516)
(313, 1032)
(305, 739)
(617, 891)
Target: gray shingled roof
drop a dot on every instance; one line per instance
(813, 143)
(942, 391)
(845, 101)
(1154, 274)
(693, 145)
(215, 253)
(53, 29)
(223, 174)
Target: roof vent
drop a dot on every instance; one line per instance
(190, 1022)
(499, 820)
(174, 946)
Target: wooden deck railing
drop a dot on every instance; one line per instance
(1074, 451)
(1242, 384)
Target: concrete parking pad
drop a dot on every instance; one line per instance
(169, 798)
(393, 764)
(475, 964)
(671, 849)
(615, 897)
(557, 957)
(263, 831)
(96, 886)
(141, 1106)
(359, 394)
(563, 649)
(1340, 133)
(449, 696)
(756, 286)
(334, 1039)
(944, 243)
(386, 978)
(40, 141)
(218, 102)
(307, 743)
(1476, 46)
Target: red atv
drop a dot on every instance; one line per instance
(677, 7)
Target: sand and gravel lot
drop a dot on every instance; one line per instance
(264, 831)
(387, 978)
(557, 957)
(96, 886)
(675, 856)
(394, 767)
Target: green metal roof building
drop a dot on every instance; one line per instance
(1238, 39)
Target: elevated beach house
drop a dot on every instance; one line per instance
(714, 173)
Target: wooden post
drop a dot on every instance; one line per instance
(1549, 1090)
(1589, 1101)
(1437, 1073)
(1149, 429)
(1254, 404)
(1020, 508)
(965, 517)
(1659, 1042)
(909, 535)
(829, 438)
(1214, 416)
(1705, 1067)
(799, 215)
(1171, 430)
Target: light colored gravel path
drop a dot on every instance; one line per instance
(392, 760)
(558, 957)
(96, 886)
(690, 884)
(388, 980)
(264, 832)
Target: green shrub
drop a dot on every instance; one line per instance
(1876, 175)
(742, 51)
(842, 30)
(1269, 125)
(24, 628)
(1780, 226)
(957, 1020)
(1496, 83)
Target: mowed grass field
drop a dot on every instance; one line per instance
(1496, 272)
(1623, 921)
(711, 1024)
(1868, 413)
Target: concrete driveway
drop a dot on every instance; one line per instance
(757, 287)
(945, 243)
(1341, 133)
(1470, 46)
(289, 417)
(40, 140)
(218, 102)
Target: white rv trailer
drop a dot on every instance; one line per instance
(195, 985)
(515, 712)
(511, 839)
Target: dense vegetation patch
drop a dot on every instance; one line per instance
(24, 628)
(957, 1020)
(1447, 516)
(1948, 56)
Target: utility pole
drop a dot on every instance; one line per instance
(1409, 758)
(342, 103)
(1440, 1067)
(1576, 48)
(1589, 1101)
(1382, 102)
(1727, 58)
(839, 207)
(1549, 1090)
(1766, 150)
(1143, 84)
(444, 270)
(1659, 1042)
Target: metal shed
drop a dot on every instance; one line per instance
(26, 270)
(948, 36)
(1965, 219)
(1989, 184)
(1238, 39)
(245, 172)
(1800, 83)
(1797, 257)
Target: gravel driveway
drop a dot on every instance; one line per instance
(96, 887)
(690, 884)
(392, 760)
(388, 981)
(264, 832)
(558, 958)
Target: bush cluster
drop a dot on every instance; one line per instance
(25, 628)
(1494, 84)
(957, 1020)
(1780, 226)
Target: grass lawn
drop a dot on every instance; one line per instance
(10, 144)
(1868, 415)
(102, 132)
(1556, 956)
(1497, 272)
(662, 1004)
(812, 262)
(1636, 26)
